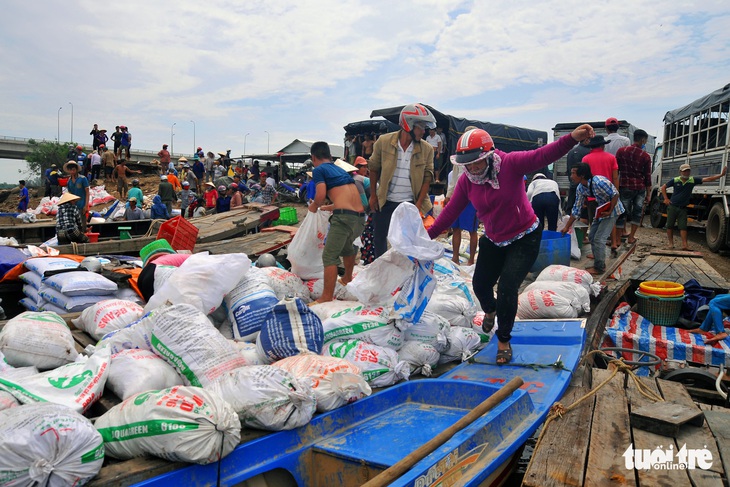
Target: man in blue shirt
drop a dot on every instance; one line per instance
(347, 220)
(79, 186)
(609, 209)
(23, 197)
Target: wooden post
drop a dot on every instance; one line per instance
(395, 471)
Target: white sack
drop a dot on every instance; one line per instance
(7, 401)
(544, 304)
(380, 366)
(433, 330)
(202, 281)
(32, 279)
(135, 371)
(463, 342)
(371, 325)
(407, 235)
(562, 273)
(136, 335)
(326, 310)
(267, 397)
(573, 292)
(379, 281)
(335, 381)
(456, 309)
(316, 288)
(65, 304)
(249, 352)
(81, 283)
(108, 315)
(285, 283)
(180, 424)
(305, 249)
(39, 339)
(40, 265)
(421, 357)
(249, 303)
(48, 445)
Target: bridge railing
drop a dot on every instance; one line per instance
(134, 151)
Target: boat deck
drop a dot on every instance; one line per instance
(679, 266)
(588, 445)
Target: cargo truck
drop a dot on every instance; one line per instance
(697, 134)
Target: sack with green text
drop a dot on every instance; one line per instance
(48, 444)
(180, 424)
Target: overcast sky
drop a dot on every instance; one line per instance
(305, 68)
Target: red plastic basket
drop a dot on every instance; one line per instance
(179, 233)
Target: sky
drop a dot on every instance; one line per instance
(254, 75)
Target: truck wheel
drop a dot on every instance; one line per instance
(658, 220)
(716, 228)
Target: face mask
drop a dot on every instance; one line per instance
(478, 178)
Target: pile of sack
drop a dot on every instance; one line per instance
(558, 292)
(58, 284)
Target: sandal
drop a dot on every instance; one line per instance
(488, 324)
(504, 356)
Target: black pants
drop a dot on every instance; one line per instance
(96, 172)
(510, 266)
(381, 224)
(547, 205)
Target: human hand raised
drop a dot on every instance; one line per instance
(583, 132)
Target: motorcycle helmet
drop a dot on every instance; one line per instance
(414, 114)
(474, 145)
(91, 264)
(266, 260)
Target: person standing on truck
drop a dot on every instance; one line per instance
(614, 141)
(634, 168)
(401, 169)
(677, 205)
(604, 164)
(575, 157)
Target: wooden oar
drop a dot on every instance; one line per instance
(394, 472)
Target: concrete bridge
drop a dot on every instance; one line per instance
(17, 148)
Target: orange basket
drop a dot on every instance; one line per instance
(63, 182)
(179, 233)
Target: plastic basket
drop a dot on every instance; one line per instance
(180, 233)
(63, 182)
(287, 216)
(663, 289)
(658, 310)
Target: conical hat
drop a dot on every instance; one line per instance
(344, 165)
(67, 197)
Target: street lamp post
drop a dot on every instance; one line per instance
(244, 143)
(195, 147)
(72, 121)
(172, 137)
(58, 127)
(268, 148)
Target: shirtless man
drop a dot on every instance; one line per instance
(120, 175)
(347, 221)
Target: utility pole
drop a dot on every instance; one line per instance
(72, 122)
(172, 138)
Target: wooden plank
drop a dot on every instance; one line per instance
(645, 440)
(560, 459)
(665, 418)
(600, 315)
(659, 269)
(610, 435)
(711, 273)
(719, 424)
(130, 246)
(251, 245)
(232, 223)
(677, 253)
(644, 268)
(694, 437)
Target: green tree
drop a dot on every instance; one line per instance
(42, 154)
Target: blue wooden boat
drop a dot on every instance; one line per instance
(353, 444)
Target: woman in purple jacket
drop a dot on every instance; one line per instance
(494, 183)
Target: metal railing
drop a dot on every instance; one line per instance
(134, 151)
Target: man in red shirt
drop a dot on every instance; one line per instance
(604, 164)
(164, 156)
(634, 166)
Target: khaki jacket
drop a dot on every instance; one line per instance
(385, 158)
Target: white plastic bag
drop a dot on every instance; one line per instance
(407, 235)
(50, 445)
(379, 281)
(371, 325)
(335, 381)
(544, 304)
(574, 246)
(249, 352)
(562, 273)
(316, 288)
(380, 366)
(184, 337)
(305, 249)
(267, 397)
(573, 292)
(40, 339)
(180, 424)
(422, 357)
(108, 315)
(77, 385)
(202, 281)
(135, 371)
(40, 265)
(66, 304)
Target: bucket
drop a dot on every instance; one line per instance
(63, 182)
(580, 230)
(93, 237)
(554, 249)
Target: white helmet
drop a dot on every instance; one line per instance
(91, 264)
(416, 113)
(266, 260)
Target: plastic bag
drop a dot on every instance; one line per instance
(380, 366)
(408, 236)
(456, 309)
(81, 283)
(433, 330)
(49, 445)
(335, 381)
(202, 281)
(378, 282)
(40, 339)
(371, 325)
(135, 371)
(180, 424)
(40, 265)
(305, 250)
(267, 397)
(411, 301)
(290, 328)
(574, 245)
(66, 304)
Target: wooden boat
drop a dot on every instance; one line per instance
(356, 443)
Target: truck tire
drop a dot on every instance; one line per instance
(716, 227)
(656, 209)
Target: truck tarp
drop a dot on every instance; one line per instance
(370, 127)
(707, 101)
(507, 138)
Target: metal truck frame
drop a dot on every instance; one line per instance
(697, 134)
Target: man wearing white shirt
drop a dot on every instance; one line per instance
(615, 141)
(95, 165)
(435, 141)
(544, 195)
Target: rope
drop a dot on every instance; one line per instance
(557, 410)
(152, 225)
(558, 364)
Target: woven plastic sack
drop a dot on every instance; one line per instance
(380, 366)
(290, 328)
(371, 325)
(562, 273)
(305, 249)
(463, 342)
(413, 298)
(325, 310)
(31, 278)
(40, 265)
(285, 284)
(48, 444)
(408, 236)
(180, 424)
(196, 282)
(335, 381)
(77, 385)
(267, 397)
(573, 292)
(108, 315)
(541, 303)
(379, 281)
(32, 295)
(135, 335)
(81, 283)
(249, 352)
(39, 339)
(422, 357)
(66, 304)
(432, 330)
(456, 309)
(135, 371)
(184, 337)
(249, 303)
(8, 401)
(316, 288)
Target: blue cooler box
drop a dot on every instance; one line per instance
(554, 249)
